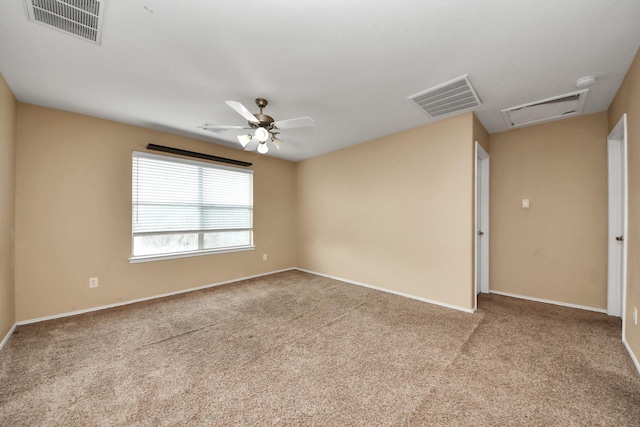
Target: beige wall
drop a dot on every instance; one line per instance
(7, 206)
(480, 134)
(556, 249)
(73, 216)
(395, 212)
(627, 101)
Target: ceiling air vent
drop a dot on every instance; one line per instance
(81, 18)
(455, 96)
(546, 110)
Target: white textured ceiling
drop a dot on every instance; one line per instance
(170, 65)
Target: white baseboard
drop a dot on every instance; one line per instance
(547, 301)
(633, 356)
(6, 338)
(183, 291)
(441, 304)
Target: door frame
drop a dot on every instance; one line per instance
(481, 220)
(617, 184)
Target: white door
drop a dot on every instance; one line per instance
(617, 195)
(482, 221)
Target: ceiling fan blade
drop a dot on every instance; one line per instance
(215, 126)
(220, 128)
(242, 110)
(294, 123)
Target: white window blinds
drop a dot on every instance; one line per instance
(177, 195)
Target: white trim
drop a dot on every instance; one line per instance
(353, 282)
(617, 259)
(118, 304)
(485, 166)
(481, 222)
(625, 243)
(548, 301)
(476, 226)
(149, 258)
(6, 338)
(633, 356)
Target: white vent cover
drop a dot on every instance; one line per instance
(546, 110)
(81, 18)
(455, 96)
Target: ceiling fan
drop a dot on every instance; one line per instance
(265, 127)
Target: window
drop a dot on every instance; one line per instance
(184, 207)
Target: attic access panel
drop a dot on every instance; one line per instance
(546, 110)
(80, 18)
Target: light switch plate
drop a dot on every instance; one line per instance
(525, 203)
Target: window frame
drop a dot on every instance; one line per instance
(200, 233)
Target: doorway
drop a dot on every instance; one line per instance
(481, 222)
(617, 232)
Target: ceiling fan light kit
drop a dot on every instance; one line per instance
(244, 139)
(262, 148)
(262, 134)
(266, 128)
(277, 142)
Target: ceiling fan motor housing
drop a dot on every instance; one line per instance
(265, 121)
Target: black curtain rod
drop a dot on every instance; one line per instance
(197, 155)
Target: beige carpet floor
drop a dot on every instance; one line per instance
(298, 349)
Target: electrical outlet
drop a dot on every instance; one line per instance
(93, 282)
(635, 316)
(264, 257)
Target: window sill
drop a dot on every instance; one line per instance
(149, 258)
